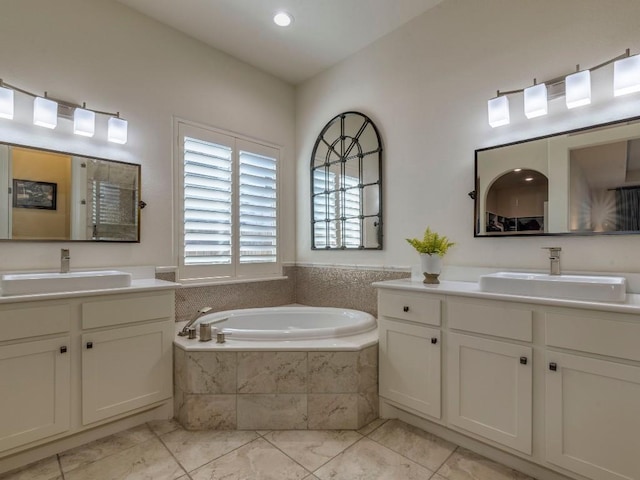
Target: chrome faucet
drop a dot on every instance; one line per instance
(554, 257)
(185, 331)
(65, 258)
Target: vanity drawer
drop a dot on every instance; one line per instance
(615, 337)
(414, 307)
(29, 322)
(103, 313)
(491, 318)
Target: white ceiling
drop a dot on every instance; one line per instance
(323, 33)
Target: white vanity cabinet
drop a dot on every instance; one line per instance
(554, 384)
(125, 367)
(35, 373)
(489, 380)
(410, 351)
(593, 403)
(80, 362)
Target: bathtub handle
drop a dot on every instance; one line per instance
(220, 336)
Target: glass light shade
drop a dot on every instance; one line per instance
(498, 111)
(626, 76)
(45, 112)
(535, 101)
(84, 122)
(117, 132)
(578, 89)
(6, 103)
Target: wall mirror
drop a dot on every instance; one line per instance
(580, 182)
(346, 185)
(61, 196)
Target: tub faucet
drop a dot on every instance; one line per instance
(185, 331)
(554, 257)
(65, 258)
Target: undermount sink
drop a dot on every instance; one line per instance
(34, 283)
(573, 287)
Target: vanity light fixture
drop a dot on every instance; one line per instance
(6, 102)
(626, 76)
(499, 111)
(47, 110)
(576, 87)
(84, 122)
(283, 19)
(535, 100)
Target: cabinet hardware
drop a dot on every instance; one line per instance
(434, 340)
(523, 360)
(405, 309)
(63, 349)
(89, 345)
(553, 366)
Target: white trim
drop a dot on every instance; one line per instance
(203, 282)
(382, 268)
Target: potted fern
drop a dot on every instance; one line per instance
(432, 247)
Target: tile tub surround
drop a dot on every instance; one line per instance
(275, 390)
(320, 286)
(162, 450)
(315, 286)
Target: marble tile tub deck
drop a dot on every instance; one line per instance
(163, 450)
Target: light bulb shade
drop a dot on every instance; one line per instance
(117, 132)
(6, 103)
(498, 111)
(626, 76)
(578, 89)
(535, 101)
(45, 112)
(84, 122)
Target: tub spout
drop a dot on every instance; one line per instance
(185, 331)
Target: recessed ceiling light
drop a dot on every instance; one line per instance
(517, 169)
(283, 19)
(528, 179)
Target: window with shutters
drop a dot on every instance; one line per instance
(227, 206)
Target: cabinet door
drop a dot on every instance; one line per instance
(410, 365)
(35, 379)
(125, 368)
(490, 389)
(593, 416)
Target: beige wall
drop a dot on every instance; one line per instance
(32, 223)
(115, 59)
(426, 86)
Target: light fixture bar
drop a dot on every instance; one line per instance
(45, 113)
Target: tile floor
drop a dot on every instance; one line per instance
(162, 450)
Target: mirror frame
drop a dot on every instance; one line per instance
(475, 194)
(139, 207)
(379, 151)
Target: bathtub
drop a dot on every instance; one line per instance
(287, 328)
(291, 368)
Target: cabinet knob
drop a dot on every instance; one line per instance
(63, 349)
(89, 345)
(405, 309)
(523, 360)
(434, 340)
(553, 366)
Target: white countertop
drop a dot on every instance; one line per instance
(631, 305)
(137, 285)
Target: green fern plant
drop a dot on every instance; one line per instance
(431, 243)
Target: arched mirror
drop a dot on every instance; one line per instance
(346, 185)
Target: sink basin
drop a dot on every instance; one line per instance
(573, 287)
(33, 283)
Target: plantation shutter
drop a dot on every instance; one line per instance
(228, 206)
(258, 208)
(207, 202)
(351, 212)
(324, 207)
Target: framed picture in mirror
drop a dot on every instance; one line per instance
(34, 194)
